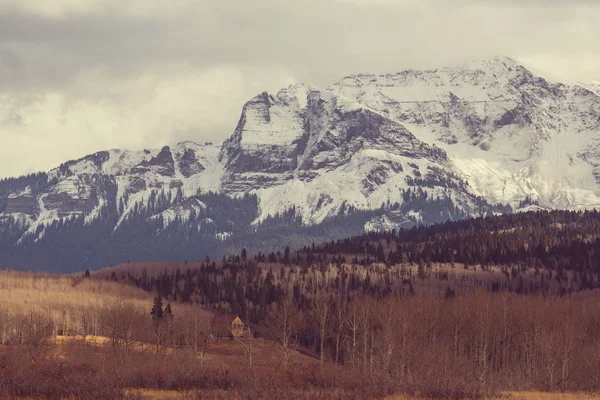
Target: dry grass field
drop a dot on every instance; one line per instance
(65, 299)
(222, 372)
(23, 292)
(551, 396)
(188, 395)
(222, 353)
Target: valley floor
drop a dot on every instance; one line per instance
(226, 352)
(188, 395)
(428, 345)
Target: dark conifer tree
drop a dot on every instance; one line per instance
(157, 311)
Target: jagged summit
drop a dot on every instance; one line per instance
(497, 64)
(383, 150)
(499, 61)
(505, 127)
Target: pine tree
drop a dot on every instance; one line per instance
(157, 310)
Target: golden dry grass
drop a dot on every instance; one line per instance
(526, 396)
(22, 291)
(160, 394)
(66, 298)
(174, 395)
(223, 353)
(265, 353)
(551, 396)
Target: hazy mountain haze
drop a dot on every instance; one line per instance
(78, 76)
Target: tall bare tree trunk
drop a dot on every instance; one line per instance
(320, 312)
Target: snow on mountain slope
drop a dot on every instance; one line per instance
(371, 178)
(314, 151)
(510, 133)
(128, 178)
(182, 210)
(487, 132)
(592, 86)
(187, 168)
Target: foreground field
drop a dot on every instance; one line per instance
(552, 396)
(188, 395)
(78, 338)
(222, 353)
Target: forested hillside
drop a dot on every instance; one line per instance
(549, 253)
(165, 226)
(557, 240)
(506, 301)
(536, 252)
(457, 310)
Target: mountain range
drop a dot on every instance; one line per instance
(370, 152)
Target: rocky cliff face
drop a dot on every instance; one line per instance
(417, 146)
(510, 133)
(316, 151)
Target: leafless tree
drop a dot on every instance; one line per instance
(282, 325)
(84, 329)
(35, 331)
(366, 324)
(339, 317)
(246, 341)
(388, 317)
(195, 329)
(352, 321)
(121, 322)
(6, 327)
(483, 345)
(320, 313)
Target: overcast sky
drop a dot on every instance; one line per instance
(78, 76)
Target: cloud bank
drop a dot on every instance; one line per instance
(78, 76)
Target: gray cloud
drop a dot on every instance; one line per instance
(82, 75)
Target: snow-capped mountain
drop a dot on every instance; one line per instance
(127, 178)
(396, 149)
(316, 151)
(509, 133)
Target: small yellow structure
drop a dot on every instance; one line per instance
(225, 325)
(237, 327)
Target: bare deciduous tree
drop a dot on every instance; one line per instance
(282, 325)
(339, 315)
(84, 329)
(195, 329)
(121, 323)
(35, 332)
(246, 341)
(320, 313)
(352, 321)
(6, 327)
(388, 317)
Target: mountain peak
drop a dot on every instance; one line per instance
(498, 63)
(502, 59)
(444, 143)
(488, 69)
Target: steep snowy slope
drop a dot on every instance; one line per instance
(314, 151)
(369, 152)
(511, 134)
(125, 179)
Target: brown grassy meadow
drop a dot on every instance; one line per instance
(109, 348)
